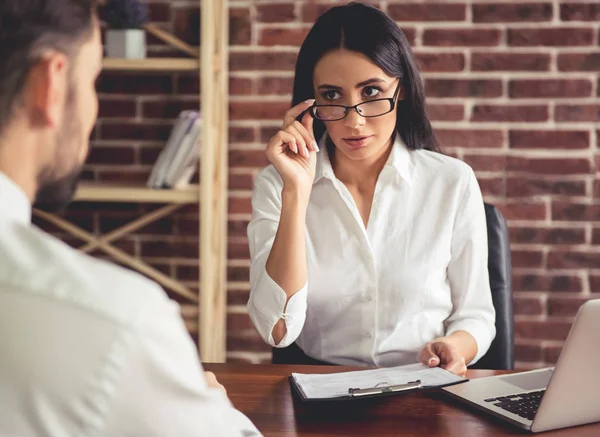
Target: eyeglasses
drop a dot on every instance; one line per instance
(370, 108)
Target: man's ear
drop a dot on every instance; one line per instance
(47, 89)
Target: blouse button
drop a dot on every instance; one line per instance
(369, 298)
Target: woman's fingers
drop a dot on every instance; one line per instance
(301, 141)
(293, 113)
(309, 138)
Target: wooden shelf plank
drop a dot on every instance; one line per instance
(151, 64)
(91, 192)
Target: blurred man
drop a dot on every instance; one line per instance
(85, 347)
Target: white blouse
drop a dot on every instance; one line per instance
(376, 295)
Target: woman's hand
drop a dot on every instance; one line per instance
(443, 352)
(292, 149)
(211, 382)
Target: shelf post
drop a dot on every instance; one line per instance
(213, 174)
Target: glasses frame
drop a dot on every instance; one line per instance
(391, 100)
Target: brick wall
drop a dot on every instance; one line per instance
(513, 88)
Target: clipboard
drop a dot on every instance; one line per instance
(380, 389)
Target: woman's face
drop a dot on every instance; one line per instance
(344, 77)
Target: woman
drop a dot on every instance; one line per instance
(368, 248)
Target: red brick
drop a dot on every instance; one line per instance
(579, 11)
(237, 228)
(547, 88)
(116, 108)
(130, 83)
(134, 131)
(542, 330)
(254, 343)
(237, 322)
(240, 205)
(248, 158)
(168, 108)
(579, 62)
(238, 297)
(238, 274)
(492, 186)
(267, 132)
(275, 13)
(238, 251)
(159, 12)
(121, 155)
(186, 24)
(596, 236)
(123, 175)
(164, 248)
(262, 61)
(241, 134)
(529, 353)
(428, 12)
(470, 138)
(548, 139)
(441, 62)
(573, 259)
(564, 306)
(577, 112)
(510, 113)
(546, 283)
(259, 110)
(149, 154)
(551, 37)
(461, 37)
(549, 166)
(282, 37)
(463, 87)
(523, 210)
(594, 283)
(441, 112)
(553, 236)
(511, 13)
(275, 85)
(501, 61)
(551, 354)
(535, 186)
(240, 181)
(527, 258)
(313, 10)
(495, 163)
(528, 306)
(571, 211)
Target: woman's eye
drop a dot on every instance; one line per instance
(331, 95)
(371, 91)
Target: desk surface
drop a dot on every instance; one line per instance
(263, 393)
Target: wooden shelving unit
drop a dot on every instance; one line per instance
(209, 307)
(156, 64)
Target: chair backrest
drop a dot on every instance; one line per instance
(500, 355)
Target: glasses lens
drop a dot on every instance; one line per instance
(374, 108)
(329, 112)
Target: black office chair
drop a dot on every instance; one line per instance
(500, 355)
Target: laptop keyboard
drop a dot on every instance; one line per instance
(523, 404)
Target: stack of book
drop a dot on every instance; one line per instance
(178, 160)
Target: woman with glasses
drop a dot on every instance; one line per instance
(368, 246)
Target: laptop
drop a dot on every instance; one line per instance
(546, 399)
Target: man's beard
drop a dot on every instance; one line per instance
(54, 195)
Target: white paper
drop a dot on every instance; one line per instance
(332, 385)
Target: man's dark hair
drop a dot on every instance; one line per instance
(27, 29)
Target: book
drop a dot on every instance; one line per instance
(178, 160)
(371, 382)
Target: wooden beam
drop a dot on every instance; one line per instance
(214, 167)
(171, 39)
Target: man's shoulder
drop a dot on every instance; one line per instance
(38, 264)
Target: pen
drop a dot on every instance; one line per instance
(355, 392)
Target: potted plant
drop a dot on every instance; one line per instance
(125, 36)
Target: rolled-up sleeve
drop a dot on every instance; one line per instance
(473, 309)
(267, 303)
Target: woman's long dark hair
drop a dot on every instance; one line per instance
(364, 29)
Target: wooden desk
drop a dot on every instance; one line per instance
(263, 393)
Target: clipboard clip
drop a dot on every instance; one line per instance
(356, 392)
